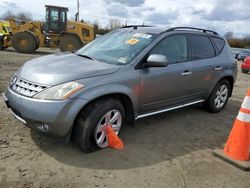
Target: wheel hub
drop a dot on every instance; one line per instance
(112, 118)
(23, 43)
(221, 96)
(70, 47)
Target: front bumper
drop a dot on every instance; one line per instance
(48, 116)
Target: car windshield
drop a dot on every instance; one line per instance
(118, 47)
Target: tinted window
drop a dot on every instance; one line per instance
(54, 19)
(219, 43)
(201, 47)
(62, 16)
(173, 47)
(54, 15)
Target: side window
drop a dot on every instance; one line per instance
(54, 19)
(201, 47)
(62, 16)
(174, 47)
(85, 32)
(54, 15)
(219, 43)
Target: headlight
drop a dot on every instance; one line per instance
(13, 80)
(59, 92)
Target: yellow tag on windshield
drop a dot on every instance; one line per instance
(132, 41)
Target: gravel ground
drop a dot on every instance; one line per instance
(173, 149)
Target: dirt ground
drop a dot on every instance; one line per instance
(173, 149)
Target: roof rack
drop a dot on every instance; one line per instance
(135, 26)
(192, 28)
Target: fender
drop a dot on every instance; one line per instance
(103, 90)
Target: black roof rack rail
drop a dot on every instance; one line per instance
(135, 26)
(192, 28)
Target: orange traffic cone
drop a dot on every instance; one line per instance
(113, 140)
(238, 143)
(237, 148)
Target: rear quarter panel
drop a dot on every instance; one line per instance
(229, 65)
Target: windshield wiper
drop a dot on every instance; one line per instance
(88, 57)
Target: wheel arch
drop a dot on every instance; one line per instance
(123, 98)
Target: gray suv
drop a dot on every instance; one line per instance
(127, 74)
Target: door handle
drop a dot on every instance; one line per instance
(186, 73)
(217, 68)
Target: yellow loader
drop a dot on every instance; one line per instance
(56, 32)
(5, 34)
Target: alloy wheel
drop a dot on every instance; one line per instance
(112, 118)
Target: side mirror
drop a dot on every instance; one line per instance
(156, 60)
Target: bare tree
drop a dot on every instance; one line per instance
(229, 35)
(25, 16)
(8, 14)
(114, 24)
(96, 26)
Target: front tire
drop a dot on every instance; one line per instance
(24, 42)
(89, 129)
(219, 97)
(244, 71)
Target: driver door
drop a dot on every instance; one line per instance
(163, 87)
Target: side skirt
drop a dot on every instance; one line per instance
(167, 109)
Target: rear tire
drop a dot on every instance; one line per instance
(85, 128)
(219, 97)
(24, 42)
(244, 71)
(69, 43)
(1, 42)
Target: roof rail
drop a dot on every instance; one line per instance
(192, 28)
(135, 26)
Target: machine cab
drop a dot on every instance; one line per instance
(56, 19)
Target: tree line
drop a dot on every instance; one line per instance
(243, 42)
(112, 25)
(25, 16)
(237, 42)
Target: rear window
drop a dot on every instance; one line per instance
(85, 32)
(201, 47)
(219, 43)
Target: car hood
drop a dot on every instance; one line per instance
(59, 68)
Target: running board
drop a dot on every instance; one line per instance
(168, 109)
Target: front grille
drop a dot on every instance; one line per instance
(26, 88)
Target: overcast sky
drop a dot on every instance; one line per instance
(220, 15)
